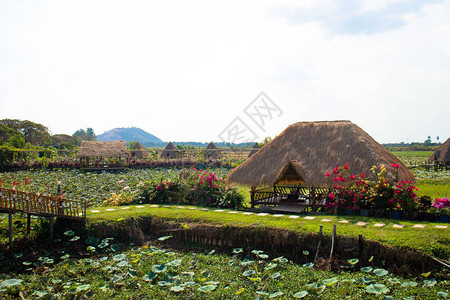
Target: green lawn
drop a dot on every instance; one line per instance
(431, 240)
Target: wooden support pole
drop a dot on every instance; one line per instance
(360, 244)
(10, 229)
(51, 219)
(333, 238)
(28, 224)
(320, 243)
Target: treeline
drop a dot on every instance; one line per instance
(26, 141)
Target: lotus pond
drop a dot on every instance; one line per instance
(155, 271)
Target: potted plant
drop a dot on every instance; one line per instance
(441, 208)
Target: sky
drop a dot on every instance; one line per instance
(227, 70)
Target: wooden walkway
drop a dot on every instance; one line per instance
(291, 198)
(12, 201)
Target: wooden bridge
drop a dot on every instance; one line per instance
(12, 201)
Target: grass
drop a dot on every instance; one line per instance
(435, 188)
(154, 272)
(430, 240)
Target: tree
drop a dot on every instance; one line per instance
(34, 133)
(428, 140)
(82, 135)
(17, 141)
(6, 133)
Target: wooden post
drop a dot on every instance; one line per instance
(360, 244)
(10, 228)
(28, 224)
(51, 219)
(333, 237)
(252, 196)
(320, 242)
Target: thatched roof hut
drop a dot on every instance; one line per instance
(317, 148)
(103, 149)
(94, 154)
(212, 151)
(442, 154)
(138, 151)
(255, 149)
(170, 152)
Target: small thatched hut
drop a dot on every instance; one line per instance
(255, 149)
(442, 154)
(98, 154)
(316, 148)
(212, 151)
(170, 152)
(138, 151)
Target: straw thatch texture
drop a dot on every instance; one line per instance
(138, 151)
(255, 149)
(318, 147)
(291, 173)
(442, 153)
(170, 152)
(212, 151)
(103, 149)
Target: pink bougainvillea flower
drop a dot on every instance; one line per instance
(328, 174)
(396, 166)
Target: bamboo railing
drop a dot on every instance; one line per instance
(39, 204)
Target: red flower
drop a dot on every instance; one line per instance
(396, 166)
(328, 174)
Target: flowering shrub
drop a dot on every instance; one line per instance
(441, 206)
(119, 199)
(351, 190)
(354, 192)
(192, 187)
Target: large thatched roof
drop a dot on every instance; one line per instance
(212, 151)
(318, 147)
(103, 149)
(442, 153)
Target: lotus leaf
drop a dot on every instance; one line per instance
(159, 268)
(119, 257)
(430, 282)
(330, 281)
(442, 294)
(308, 265)
(275, 275)
(164, 283)
(207, 288)
(249, 273)
(353, 261)
(82, 288)
(150, 276)
(175, 263)
(367, 269)
(409, 284)
(276, 294)
(69, 233)
(301, 294)
(377, 288)
(163, 238)
(10, 283)
(237, 250)
(177, 289)
(394, 280)
(380, 272)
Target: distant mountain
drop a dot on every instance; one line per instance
(130, 134)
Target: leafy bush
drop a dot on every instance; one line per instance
(191, 186)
